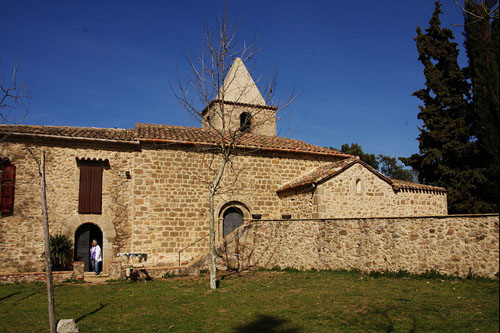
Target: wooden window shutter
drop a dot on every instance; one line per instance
(7, 183)
(90, 197)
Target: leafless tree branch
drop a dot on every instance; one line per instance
(13, 96)
(486, 14)
(205, 91)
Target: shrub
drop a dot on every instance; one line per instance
(61, 249)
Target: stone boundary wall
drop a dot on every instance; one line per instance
(60, 276)
(456, 245)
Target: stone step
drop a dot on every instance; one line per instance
(92, 278)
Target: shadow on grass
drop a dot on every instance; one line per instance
(388, 326)
(9, 296)
(29, 295)
(265, 323)
(36, 292)
(102, 306)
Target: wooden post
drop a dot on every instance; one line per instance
(48, 259)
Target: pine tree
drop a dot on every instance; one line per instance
(387, 165)
(356, 150)
(481, 44)
(444, 140)
(392, 168)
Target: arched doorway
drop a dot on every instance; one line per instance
(84, 236)
(233, 218)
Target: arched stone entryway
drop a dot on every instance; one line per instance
(103, 222)
(84, 236)
(232, 214)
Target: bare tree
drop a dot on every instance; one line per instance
(48, 259)
(214, 96)
(14, 96)
(486, 10)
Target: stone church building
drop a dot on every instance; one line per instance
(145, 189)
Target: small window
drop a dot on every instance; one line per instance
(359, 186)
(90, 196)
(7, 186)
(245, 121)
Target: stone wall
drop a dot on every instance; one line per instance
(452, 245)
(162, 208)
(35, 277)
(21, 234)
(263, 118)
(341, 196)
(171, 184)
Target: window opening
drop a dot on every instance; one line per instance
(359, 186)
(245, 121)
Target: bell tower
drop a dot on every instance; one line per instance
(240, 104)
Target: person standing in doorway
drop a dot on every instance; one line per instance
(96, 257)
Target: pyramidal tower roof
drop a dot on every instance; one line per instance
(239, 87)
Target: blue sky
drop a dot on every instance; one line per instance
(109, 63)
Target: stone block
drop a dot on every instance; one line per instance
(67, 326)
(78, 270)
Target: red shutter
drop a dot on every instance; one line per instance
(90, 197)
(7, 191)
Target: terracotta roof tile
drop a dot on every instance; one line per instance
(196, 135)
(172, 134)
(70, 132)
(404, 185)
(325, 172)
(319, 174)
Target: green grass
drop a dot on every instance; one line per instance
(264, 301)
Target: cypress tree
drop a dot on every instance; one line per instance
(445, 148)
(481, 44)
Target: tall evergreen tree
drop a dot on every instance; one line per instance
(444, 140)
(481, 44)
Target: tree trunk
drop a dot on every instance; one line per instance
(213, 267)
(213, 190)
(48, 260)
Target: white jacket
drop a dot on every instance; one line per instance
(98, 252)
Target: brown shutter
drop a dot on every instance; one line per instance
(90, 198)
(84, 196)
(7, 191)
(96, 189)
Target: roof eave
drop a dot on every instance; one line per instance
(295, 151)
(62, 137)
(258, 106)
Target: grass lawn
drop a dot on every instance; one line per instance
(265, 301)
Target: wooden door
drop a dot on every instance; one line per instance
(233, 218)
(84, 236)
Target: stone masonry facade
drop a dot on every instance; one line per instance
(163, 207)
(358, 191)
(21, 233)
(451, 245)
